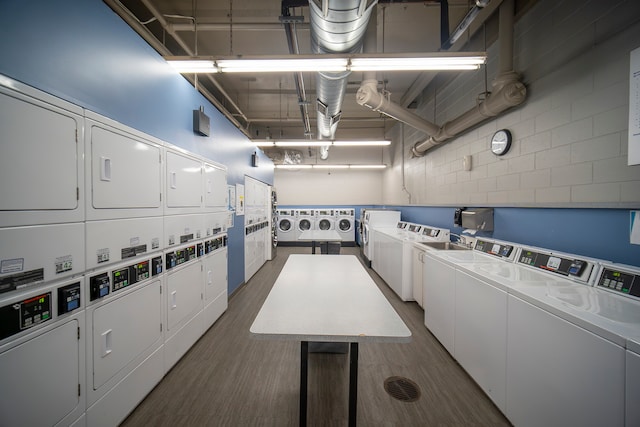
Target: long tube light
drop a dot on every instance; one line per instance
(436, 61)
(320, 143)
(326, 166)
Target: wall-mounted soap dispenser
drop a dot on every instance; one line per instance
(477, 219)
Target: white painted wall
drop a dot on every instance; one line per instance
(570, 137)
(328, 187)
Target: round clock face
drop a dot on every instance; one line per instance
(501, 142)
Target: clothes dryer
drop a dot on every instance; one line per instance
(42, 354)
(286, 223)
(346, 224)
(324, 219)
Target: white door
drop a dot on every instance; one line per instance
(124, 173)
(184, 181)
(41, 169)
(123, 329)
(41, 377)
(216, 195)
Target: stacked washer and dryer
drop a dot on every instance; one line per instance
(117, 262)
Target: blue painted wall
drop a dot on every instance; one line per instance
(597, 233)
(81, 51)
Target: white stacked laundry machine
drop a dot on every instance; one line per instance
(117, 262)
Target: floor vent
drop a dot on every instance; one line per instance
(402, 389)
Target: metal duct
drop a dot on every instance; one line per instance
(337, 26)
(507, 92)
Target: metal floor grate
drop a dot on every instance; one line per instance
(401, 388)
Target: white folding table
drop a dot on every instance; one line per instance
(322, 236)
(328, 299)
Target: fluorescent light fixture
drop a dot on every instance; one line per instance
(417, 64)
(328, 166)
(303, 143)
(320, 143)
(367, 166)
(282, 65)
(194, 66)
(330, 62)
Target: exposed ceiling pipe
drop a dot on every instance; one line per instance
(292, 41)
(337, 26)
(507, 92)
(165, 25)
(464, 23)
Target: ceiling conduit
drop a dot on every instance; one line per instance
(508, 91)
(337, 26)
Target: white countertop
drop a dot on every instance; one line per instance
(320, 236)
(328, 298)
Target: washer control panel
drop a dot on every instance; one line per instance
(578, 269)
(501, 250)
(621, 281)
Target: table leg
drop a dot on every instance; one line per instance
(353, 383)
(313, 247)
(304, 365)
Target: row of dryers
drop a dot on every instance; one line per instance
(292, 222)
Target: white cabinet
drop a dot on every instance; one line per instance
(417, 273)
(439, 300)
(41, 167)
(632, 389)
(480, 334)
(559, 374)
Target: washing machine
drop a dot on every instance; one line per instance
(393, 247)
(305, 220)
(345, 224)
(286, 223)
(42, 355)
(375, 218)
(324, 219)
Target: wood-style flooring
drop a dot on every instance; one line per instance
(229, 378)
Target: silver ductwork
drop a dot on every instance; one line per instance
(507, 92)
(337, 26)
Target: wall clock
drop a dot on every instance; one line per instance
(501, 142)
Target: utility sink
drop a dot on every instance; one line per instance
(445, 246)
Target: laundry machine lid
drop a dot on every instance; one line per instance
(345, 224)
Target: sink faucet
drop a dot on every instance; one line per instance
(462, 240)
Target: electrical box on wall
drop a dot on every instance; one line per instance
(201, 122)
(255, 160)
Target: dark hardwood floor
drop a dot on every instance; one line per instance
(229, 378)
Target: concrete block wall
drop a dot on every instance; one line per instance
(570, 136)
